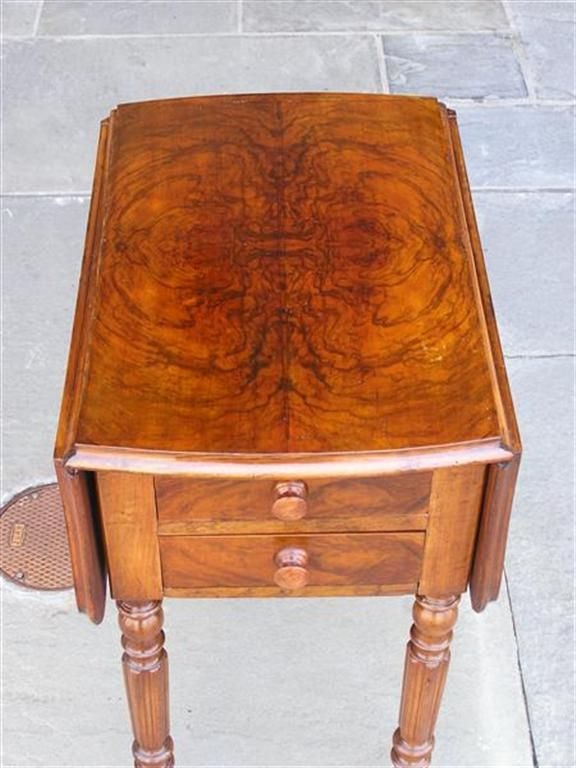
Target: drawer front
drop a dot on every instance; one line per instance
(189, 506)
(379, 563)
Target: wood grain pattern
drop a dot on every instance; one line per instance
(86, 555)
(491, 547)
(348, 590)
(427, 659)
(285, 465)
(84, 540)
(290, 502)
(292, 573)
(493, 534)
(493, 346)
(284, 273)
(455, 503)
(128, 510)
(334, 560)
(145, 665)
(78, 355)
(243, 506)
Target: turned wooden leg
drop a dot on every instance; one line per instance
(145, 665)
(427, 658)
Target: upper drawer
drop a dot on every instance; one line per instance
(188, 505)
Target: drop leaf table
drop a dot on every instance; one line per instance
(285, 378)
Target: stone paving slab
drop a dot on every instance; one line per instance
(247, 692)
(518, 146)
(85, 17)
(458, 66)
(372, 15)
(56, 92)
(529, 245)
(19, 17)
(540, 560)
(548, 31)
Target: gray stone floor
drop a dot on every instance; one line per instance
(246, 692)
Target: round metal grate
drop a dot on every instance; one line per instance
(33, 543)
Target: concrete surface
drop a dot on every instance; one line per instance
(175, 18)
(540, 562)
(19, 18)
(547, 31)
(247, 692)
(258, 683)
(528, 240)
(371, 15)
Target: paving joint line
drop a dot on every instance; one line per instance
(526, 190)
(37, 18)
(519, 51)
(240, 19)
(272, 33)
(505, 101)
(382, 67)
(521, 673)
(542, 356)
(43, 194)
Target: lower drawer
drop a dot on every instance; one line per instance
(322, 564)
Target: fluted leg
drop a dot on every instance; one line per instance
(145, 665)
(427, 658)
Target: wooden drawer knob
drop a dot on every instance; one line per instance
(290, 501)
(292, 572)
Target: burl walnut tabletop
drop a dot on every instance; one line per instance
(285, 377)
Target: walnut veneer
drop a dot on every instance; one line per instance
(285, 377)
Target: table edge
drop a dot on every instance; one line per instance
(286, 465)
